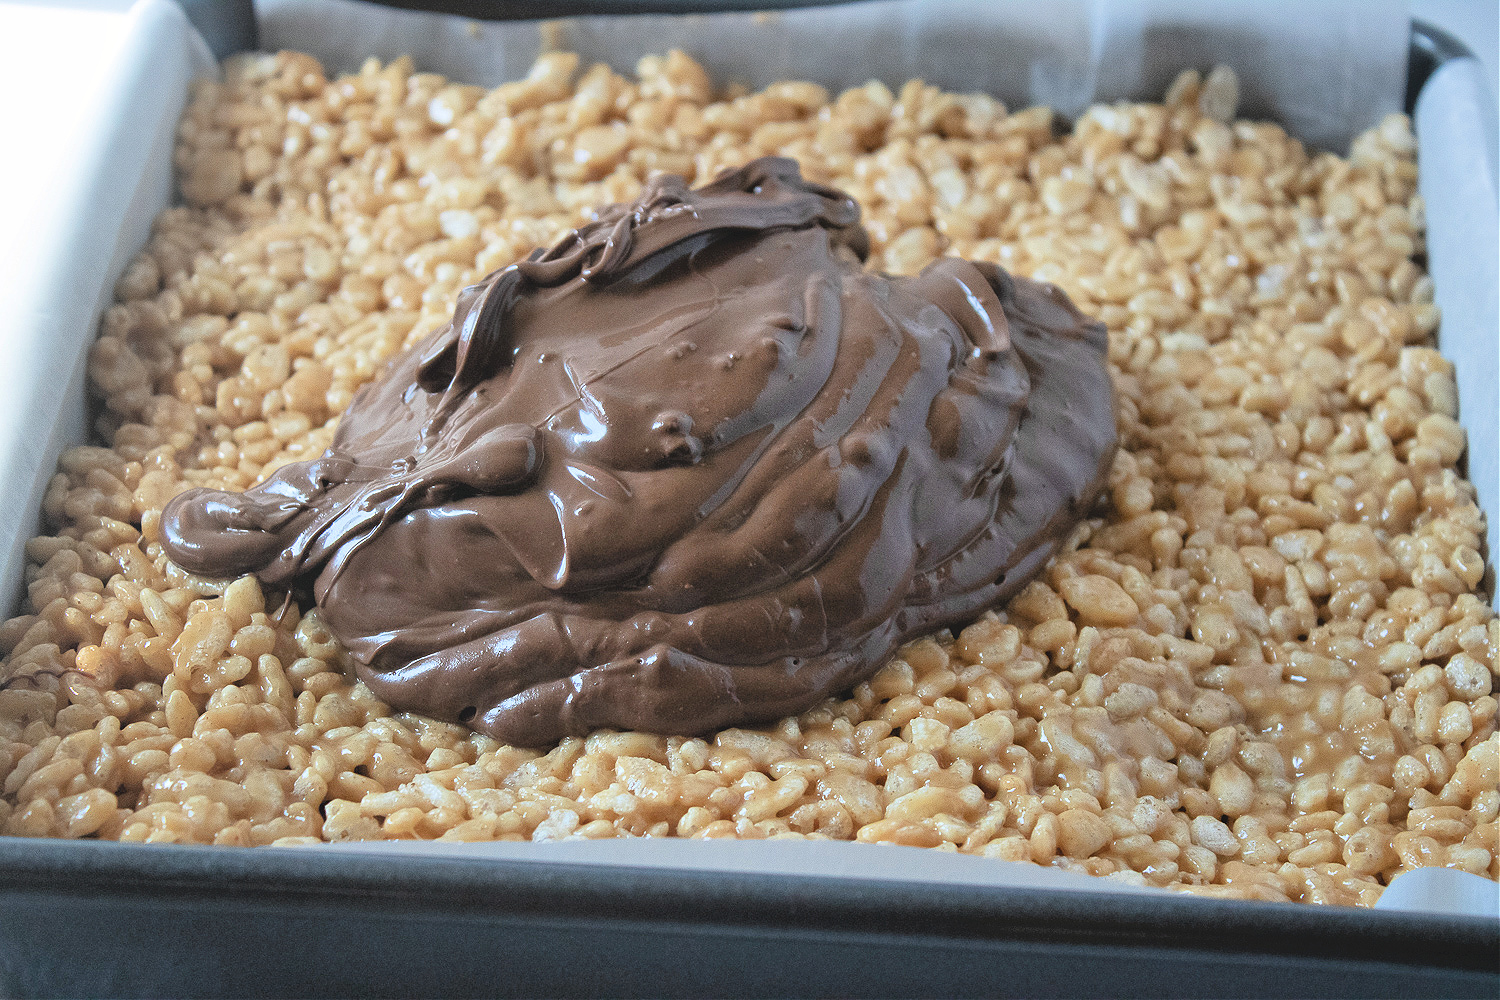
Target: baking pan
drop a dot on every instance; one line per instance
(95, 919)
(91, 918)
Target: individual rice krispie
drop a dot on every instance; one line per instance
(1263, 669)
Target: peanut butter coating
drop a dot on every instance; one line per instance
(692, 467)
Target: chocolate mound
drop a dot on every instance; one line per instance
(690, 468)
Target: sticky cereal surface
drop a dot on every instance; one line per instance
(1263, 669)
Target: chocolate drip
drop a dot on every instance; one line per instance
(692, 467)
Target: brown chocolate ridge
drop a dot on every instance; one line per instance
(692, 467)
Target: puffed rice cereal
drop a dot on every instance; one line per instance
(1264, 669)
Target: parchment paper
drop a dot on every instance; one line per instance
(825, 859)
(1327, 70)
(1428, 890)
(82, 189)
(1456, 128)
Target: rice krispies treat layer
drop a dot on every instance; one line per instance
(1261, 671)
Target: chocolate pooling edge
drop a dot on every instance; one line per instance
(691, 467)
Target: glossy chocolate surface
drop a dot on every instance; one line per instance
(692, 467)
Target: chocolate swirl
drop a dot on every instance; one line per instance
(690, 468)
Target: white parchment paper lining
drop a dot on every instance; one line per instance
(1326, 70)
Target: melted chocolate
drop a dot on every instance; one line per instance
(690, 468)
